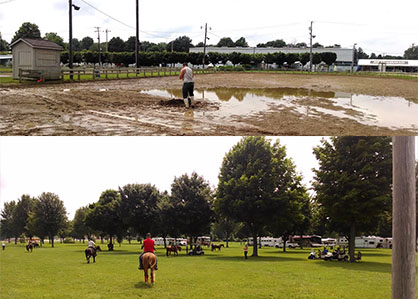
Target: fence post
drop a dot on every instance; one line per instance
(404, 218)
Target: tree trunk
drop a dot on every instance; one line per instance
(352, 242)
(255, 250)
(52, 241)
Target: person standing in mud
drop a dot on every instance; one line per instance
(186, 74)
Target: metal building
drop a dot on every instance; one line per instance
(344, 56)
(37, 57)
(388, 65)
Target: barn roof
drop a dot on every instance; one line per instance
(39, 43)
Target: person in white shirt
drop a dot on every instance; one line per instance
(186, 74)
(91, 244)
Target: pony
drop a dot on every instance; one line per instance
(29, 247)
(148, 262)
(214, 247)
(91, 252)
(173, 248)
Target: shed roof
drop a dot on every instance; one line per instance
(39, 43)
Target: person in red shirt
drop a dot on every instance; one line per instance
(149, 246)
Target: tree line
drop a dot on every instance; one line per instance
(180, 44)
(164, 58)
(259, 193)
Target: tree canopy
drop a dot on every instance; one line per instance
(353, 183)
(27, 30)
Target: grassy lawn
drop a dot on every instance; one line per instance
(63, 271)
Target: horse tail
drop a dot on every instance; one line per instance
(153, 263)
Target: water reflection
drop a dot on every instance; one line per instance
(392, 112)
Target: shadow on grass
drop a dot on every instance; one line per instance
(358, 266)
(142, 285)
(256, 258)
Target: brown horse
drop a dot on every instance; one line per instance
(173, 248)
(91, 252)
(149, 261)
(29, 247)
(214, 247)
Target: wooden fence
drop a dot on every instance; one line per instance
(121, 73)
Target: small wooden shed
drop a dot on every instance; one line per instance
(36, 57)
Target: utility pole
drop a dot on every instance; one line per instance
(137, 36)
(70, 42)
(204, 43)
(353, 58)
(310, 47)
(98, 41)
(404, 218)
(107, 41)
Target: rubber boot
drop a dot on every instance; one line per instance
(191, 103)
(186, 102)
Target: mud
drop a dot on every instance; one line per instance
(125, 107)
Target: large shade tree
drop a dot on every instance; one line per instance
(79, 227)
(139, 207)
(8, 228)
(24, 207)
(192, 200)
(27, 30)
(48, 217)
(353, 183)
(104, 215)
(254, 186)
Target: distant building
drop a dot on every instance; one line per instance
(388, 65)
(36, 55)
(6, 59)
(344, 56)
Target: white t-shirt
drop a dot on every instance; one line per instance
(188, 75)
(91, 244)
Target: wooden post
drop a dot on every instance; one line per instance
(404, 219)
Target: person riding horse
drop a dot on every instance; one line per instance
(92, 245)
(148, 246)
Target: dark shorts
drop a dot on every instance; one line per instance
(188, 89)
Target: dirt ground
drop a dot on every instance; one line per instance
(118, 107)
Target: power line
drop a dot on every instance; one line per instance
(4, 2)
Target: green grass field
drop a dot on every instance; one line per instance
(62, 272)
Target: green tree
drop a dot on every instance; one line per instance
(224, 228)
(361, 54)
(180, 44)
(192, 198)
(116, 44)
(4, 46)
(226, 42)
(24, 207)
(76, 45)
(317, 45)
(27, 30)
(241, 42)
(411, 52)
(353, 183)
(328, 57)
(139, 207)
(278, 43)
(104, 216)
(48, 216)
(80, 229)
(54, 37)
(8, 228)
(255, 186)
(86, 43)
(130, 44)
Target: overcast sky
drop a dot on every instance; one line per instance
(388, 27)
(79, 169)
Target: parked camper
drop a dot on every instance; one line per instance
(364, 242)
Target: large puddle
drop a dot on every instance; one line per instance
(389, 112)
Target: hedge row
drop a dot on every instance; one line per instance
(164, 58)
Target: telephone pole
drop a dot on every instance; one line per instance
(98, 41)
(107, 41)
(310, 47)
(204, 43)
(137, 36)
(404, 218)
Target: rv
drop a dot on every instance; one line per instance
(364, 242)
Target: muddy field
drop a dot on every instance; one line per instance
(227, 104)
